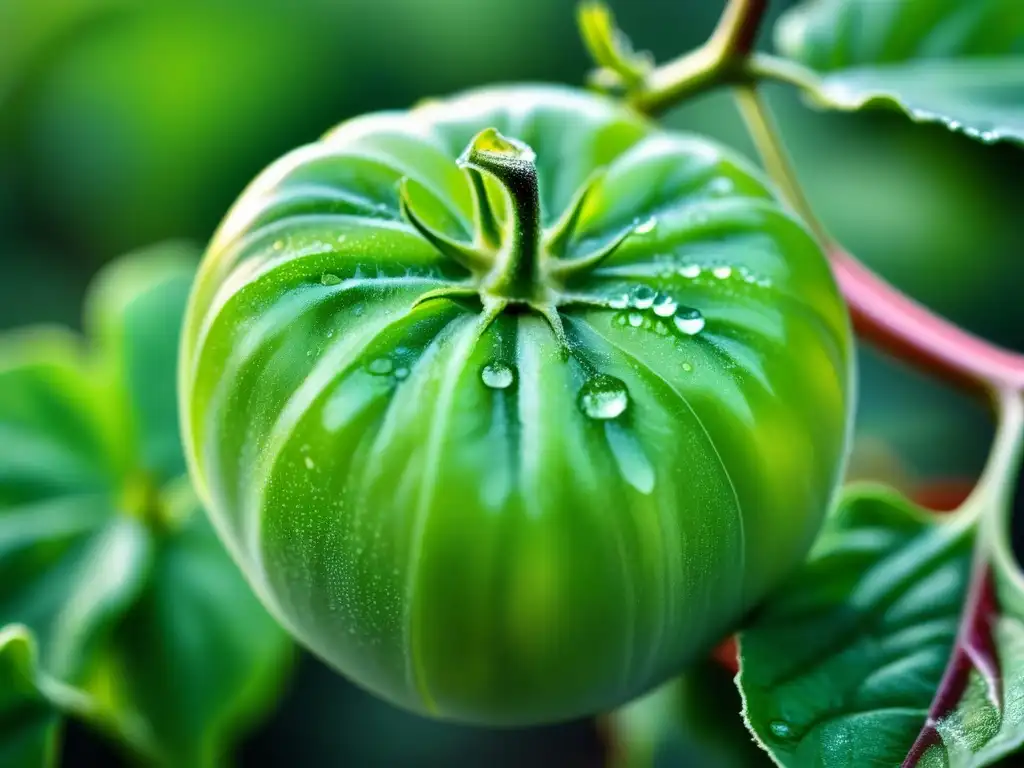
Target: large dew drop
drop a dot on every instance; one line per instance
(497, 375)
(664, 305)
(690, 321)
(603, 397)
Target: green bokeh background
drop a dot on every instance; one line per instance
(127, 122)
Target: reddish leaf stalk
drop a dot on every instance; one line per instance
(975, 649)
(910, 332)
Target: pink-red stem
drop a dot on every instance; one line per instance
(910, 332)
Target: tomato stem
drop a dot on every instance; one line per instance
(517, 270)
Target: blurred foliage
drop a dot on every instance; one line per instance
(123, 122)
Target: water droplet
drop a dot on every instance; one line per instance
(308, 462)
(329, 278)
(722, 185)
(722, 272)
(664, 305)
(690, 322)
(660, 328)
(619, 302)
(780, 729)
(381, 366)
(330, 334)
(341, 239)
(620, 318)
(646, 226)
(401, 373)
(278, 245)
(643, 296)
(603, 397)
(497, 375)
(687, 367)
(636, 319)
(689, 270)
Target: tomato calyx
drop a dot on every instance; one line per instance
(514, 260)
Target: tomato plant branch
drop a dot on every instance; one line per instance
(727, 58)
(880, 313)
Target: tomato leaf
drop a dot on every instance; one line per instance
(831, 35)
(104, 554)
(198, 617)
(982, 99)
(68, 565)
(959, 63)
(894, 646)
(134, 315)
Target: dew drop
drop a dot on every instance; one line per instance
(278, 245)
(497, 375)
(644, 227)
(689, 270)
(329, 278)
(722, 273)
(687, 367)
(636, 319)
(381, 366)
(401, 373)
(620, 318)
(660, 328)
(603, 397)
(690, 322)
(664, 305)
(308, 462)
(619, 302)
(780, 729)
(643, 297)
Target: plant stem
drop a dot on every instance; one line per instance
(880, 313)
(737, 29)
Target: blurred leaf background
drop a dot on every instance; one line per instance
(126, 122)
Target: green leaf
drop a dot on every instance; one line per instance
(959, 63)
(104, 554)
(68, 565)
(982, 99)
(894, 645)
(831, 35)
(133, 313)
(28, 720)
(199, 618)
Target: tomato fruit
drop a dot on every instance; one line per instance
(510, 405)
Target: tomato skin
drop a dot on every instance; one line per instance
(474, 516)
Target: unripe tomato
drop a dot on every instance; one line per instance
(510, 405)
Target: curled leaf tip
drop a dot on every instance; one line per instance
(492, 144)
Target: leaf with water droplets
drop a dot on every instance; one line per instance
(981, 99)
(958, 63)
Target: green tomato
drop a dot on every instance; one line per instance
(508, 430)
